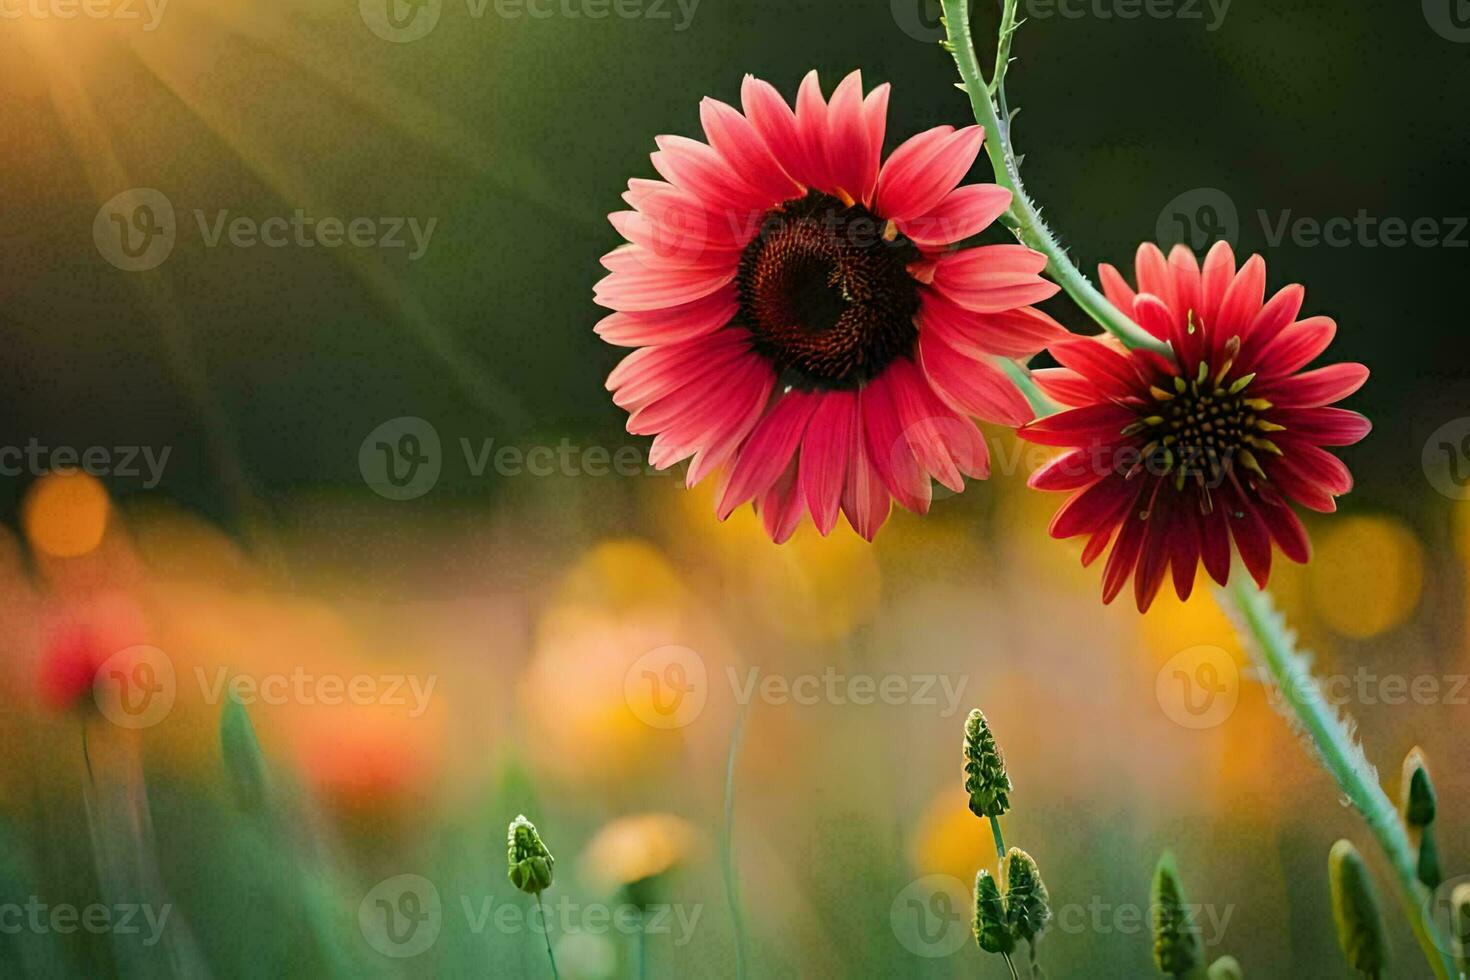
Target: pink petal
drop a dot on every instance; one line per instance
(972, 385)
(1242, 301)
(695, 167)
(1324, 426)
(735, 139)
(1311, 389)
(672, 324)
(852, 159)
(1100, 423)
(924, 169)
(1297, 346)
(1154, 275)
(1215, 278)
(1067, 387)
(888, 449)
(924, 420)
(1109, 371)
(864, 499)
(640, 290)
(776, 124)
(1184, 267)
(1071, 470)
(824, 456)
(811, 128)
(1115, 288)
(768, 451)
(963, 212)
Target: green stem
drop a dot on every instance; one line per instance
(546, 934)
(1000, 842)
(1023, 216)
(727, 846)
(1271, 645)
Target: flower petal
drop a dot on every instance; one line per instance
(963, 212)
(924, 169)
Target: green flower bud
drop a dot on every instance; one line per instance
(1027, 910)
(1428, 870)
(985, 771)
(530, 862)
(1417, 790)
(991, 930)
(1355, 910)
(1460, 925)
(1176, 944)
(1225, 968)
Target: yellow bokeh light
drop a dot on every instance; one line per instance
(65, 514)
(1367, 575)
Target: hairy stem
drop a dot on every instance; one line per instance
(1023, 217)
(1271, 645)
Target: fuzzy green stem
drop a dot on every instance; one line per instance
(1023, 217)
(1271, 645)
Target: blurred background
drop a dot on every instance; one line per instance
(537, 623)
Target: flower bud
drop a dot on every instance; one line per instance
(1027, 910)
(985, 771)
(1460, 926)
(1417, 790)
(1225, 968)
(1355, 910)
(530, 862)
(991, 930)
(1176, 944)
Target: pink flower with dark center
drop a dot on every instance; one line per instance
(804, 326)
(1173, 458)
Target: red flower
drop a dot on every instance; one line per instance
(68, 667)
(803, 324)
(1171, 460)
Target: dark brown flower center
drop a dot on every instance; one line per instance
(1201, 427)
(826, 293)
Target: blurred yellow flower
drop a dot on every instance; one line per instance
(635, 848)
(65, 513)
(950, 839)
(1367, 575)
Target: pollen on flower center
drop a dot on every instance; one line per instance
(1202, 426)
(825, 291)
